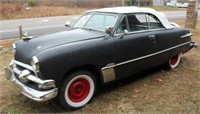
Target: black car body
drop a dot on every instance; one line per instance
(104, 45)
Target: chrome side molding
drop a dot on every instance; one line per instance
(187, 35)
(108, 72)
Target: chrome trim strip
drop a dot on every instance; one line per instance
(35, 59)
(187, 35)
(135, 32)
(14, 48)
(148, 30)
(47, 83)
(14, 45)
(139, 58)
(35, 64)
(25, 75)
(16, 70)
(23, 65)
(146, 56)
(111, 65)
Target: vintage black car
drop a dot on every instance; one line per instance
(103, 46)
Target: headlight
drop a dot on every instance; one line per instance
(13, 48)
(35, 63)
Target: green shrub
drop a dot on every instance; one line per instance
(129, 2)
(32, 3)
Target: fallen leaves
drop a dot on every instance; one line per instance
(136, 91)
(160, 80)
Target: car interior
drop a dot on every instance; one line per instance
(139, 22)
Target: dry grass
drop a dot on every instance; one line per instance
(17, 11)
(157, 91)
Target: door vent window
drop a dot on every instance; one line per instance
(154, 23)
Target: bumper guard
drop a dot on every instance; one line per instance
(30, 92)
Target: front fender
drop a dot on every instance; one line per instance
(57, 61)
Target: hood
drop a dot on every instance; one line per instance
(26, 49)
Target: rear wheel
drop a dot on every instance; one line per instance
(174, 61)
(77, 90)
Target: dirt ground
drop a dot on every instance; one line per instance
(157, 91)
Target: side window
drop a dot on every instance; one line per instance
(122, 26)
(154, 23)
(137, 22)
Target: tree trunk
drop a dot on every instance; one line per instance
(192, 14)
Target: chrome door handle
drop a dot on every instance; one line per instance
(152, 37)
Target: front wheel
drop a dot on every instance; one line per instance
(77, 90)
(174, 61)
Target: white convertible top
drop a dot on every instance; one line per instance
(132, 9)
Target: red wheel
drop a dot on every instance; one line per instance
(77, 90)
(174, 61)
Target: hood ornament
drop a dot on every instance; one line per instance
(25, 34)
(26, 37)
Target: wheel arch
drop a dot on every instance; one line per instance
(176, 51)
(90, 68)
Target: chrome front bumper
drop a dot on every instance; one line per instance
(37, 95)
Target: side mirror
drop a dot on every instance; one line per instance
(109, 30)
(125, 32)
(67, 24)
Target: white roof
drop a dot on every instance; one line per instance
(132, 9)
(125, 9)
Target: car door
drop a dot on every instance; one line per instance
(133, 46)
(163, 39)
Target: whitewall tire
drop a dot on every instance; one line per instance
(174, 61)
(77, 90)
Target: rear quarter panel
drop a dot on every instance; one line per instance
(175, 41)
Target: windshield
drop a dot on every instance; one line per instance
(97, 21)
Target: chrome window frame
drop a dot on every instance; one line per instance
(142, 31)
(149, 15)
(136, 32)
(117, 26)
